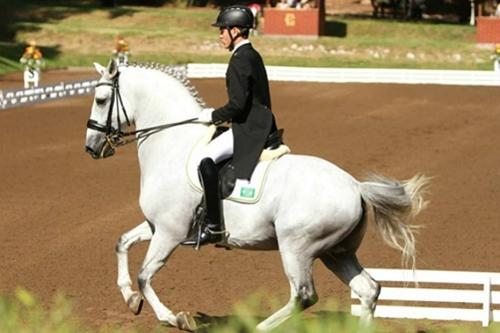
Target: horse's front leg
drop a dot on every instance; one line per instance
(161, 246)
(140, 233)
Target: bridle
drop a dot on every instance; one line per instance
(115, 137)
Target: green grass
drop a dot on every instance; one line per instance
(77, 35)
(22, 313)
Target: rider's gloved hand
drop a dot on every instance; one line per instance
(206, 115)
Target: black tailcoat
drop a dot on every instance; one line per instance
(248, 108)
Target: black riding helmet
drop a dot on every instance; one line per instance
(235, 16)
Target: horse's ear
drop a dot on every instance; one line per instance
(112, 68)
(100, 69)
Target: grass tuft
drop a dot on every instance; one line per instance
(22, 313)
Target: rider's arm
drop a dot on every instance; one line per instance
(238, 76)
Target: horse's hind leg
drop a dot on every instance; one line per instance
(140, 233)
(298, 269)
(348, 269)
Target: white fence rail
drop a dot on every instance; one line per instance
(359, 75)
(472, 288)
(14, 98)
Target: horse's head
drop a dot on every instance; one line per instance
(152, 96)
(104, 125)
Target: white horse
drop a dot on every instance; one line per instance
(310, 208)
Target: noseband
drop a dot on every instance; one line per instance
(115, 136)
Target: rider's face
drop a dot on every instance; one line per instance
(224, 37)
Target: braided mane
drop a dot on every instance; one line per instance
(178, 72)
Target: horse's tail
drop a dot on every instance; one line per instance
(394, 205)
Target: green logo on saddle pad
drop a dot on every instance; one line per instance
(247, 192)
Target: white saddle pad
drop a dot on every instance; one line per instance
(243, 192)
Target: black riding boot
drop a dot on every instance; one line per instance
(212, 226)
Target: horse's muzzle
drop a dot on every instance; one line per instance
(105, 151)
(91, 152)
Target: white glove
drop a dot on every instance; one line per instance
(206, 115)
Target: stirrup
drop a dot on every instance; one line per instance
(205, 236)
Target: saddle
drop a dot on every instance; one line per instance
(230, 189)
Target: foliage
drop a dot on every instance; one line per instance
(335, 319)
(245, 320)
(22, 313)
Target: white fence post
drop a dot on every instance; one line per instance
(487, 301)
(416, 300)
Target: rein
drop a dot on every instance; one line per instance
(115, 136)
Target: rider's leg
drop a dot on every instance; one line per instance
(218, 150)
(210, 180)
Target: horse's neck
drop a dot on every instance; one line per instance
(160, 100)
(157, 98)
(170, 148)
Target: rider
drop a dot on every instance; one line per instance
(248, 109)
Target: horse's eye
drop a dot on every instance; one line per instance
(100, 101)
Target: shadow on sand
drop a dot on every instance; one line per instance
(208, 323)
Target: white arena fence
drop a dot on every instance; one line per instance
(14, 98)
(471, 295)
(359, 75)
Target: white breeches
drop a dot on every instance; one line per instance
(220, 148)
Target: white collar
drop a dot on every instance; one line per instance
(243, 42)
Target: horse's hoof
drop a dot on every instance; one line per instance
(135, 303)
(185, 321)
